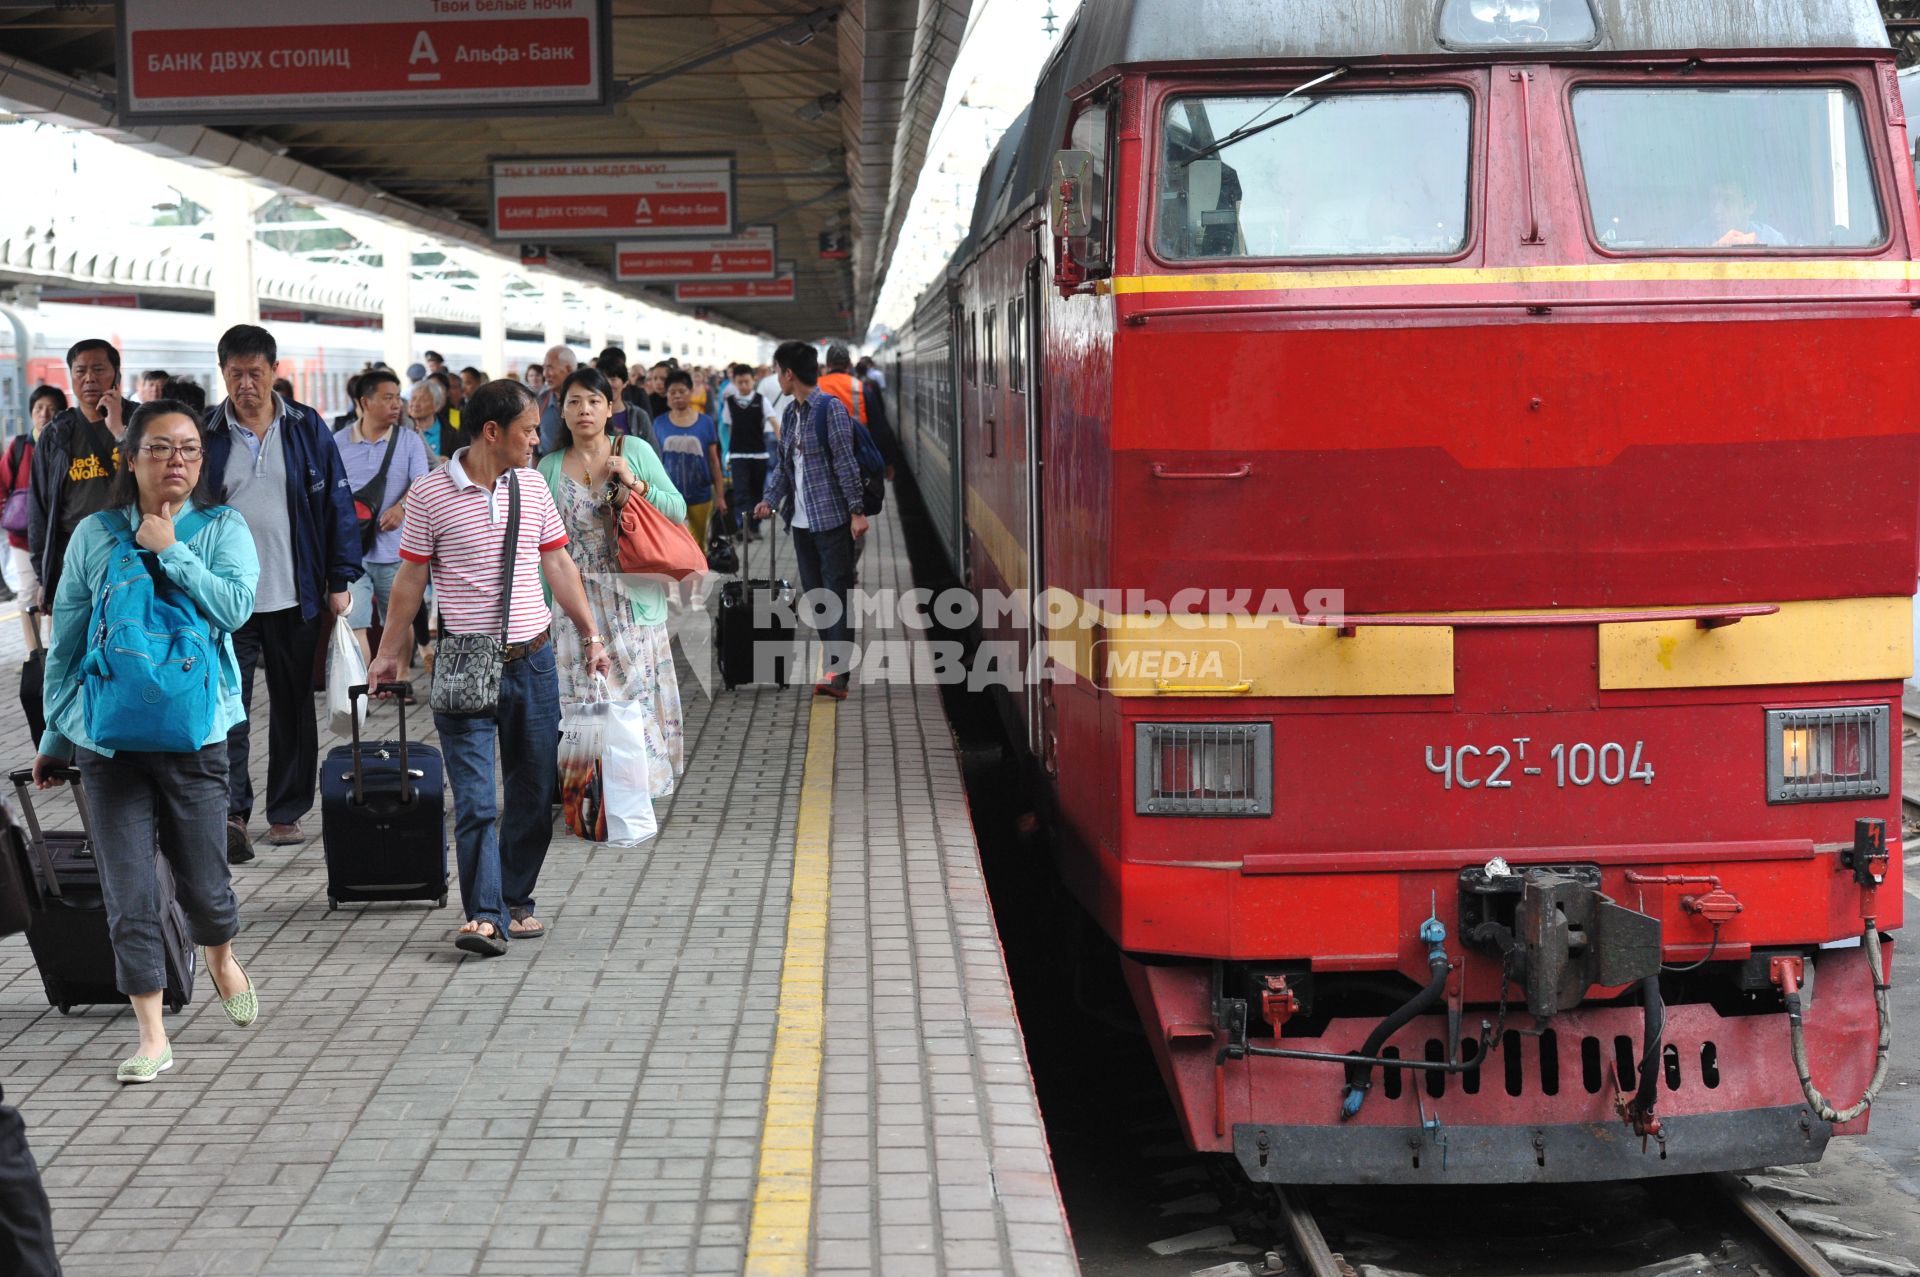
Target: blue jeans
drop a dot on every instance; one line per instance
(825, 560)
(499, 866)
(131, 796)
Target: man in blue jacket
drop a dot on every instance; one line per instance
(275, 462)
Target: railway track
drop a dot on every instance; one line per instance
(1770, 1236)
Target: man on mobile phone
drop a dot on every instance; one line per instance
(75, 460)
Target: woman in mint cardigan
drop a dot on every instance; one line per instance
(591, 475)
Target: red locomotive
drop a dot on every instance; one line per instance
(1562, 339)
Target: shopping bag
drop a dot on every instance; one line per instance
(626, 787)
(346, 668)
(583, 733)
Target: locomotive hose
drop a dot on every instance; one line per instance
(1820, 1104)
(1655, 1006)
(1360, 1076)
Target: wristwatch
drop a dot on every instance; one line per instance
(590, 640)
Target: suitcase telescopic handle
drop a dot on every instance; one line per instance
(400, 692)
(36, 837)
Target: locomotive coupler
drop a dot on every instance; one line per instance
(1557, 933)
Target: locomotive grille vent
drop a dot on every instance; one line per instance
(1520, 1071)
(1203, 769)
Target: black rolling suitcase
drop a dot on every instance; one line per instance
(68, 935)
(754, 648)
(383, 817)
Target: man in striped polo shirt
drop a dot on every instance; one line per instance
(456, 531)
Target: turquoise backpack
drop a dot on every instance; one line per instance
(152, 668)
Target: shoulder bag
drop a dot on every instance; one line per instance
(16, 516)
(466, 667)
(648, 543)
(367, 502)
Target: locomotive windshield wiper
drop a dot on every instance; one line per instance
(1252, 128)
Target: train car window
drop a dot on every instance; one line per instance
(1017, 344)
(1727, 169)
(990, 332)
(1091, 133)
(1329, 175)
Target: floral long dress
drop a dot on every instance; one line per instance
(642, 655)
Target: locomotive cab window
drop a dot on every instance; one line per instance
(1728, 169)
(1328, 175)
(1090, 133)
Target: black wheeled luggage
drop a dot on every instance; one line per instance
(753, 629)
(383, 817)
(69, 937)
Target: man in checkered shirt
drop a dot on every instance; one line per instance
(818, 492)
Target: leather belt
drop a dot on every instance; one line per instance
(515, 651)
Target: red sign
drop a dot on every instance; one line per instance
(248, 60)
(751, 290)
(660, 196)
(753, 254)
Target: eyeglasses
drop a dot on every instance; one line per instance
(161, 450)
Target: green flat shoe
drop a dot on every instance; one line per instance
(144, 1068)
(243, 1008)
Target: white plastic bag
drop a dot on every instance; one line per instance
(346, 667)
(625, 779)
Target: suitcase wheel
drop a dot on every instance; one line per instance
(66, 1008)
(441, 903)
(332, 904)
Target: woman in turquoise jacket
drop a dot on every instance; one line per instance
(162, 484)
(591, 475)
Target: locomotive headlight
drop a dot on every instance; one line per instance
(1203, 769)
(1494, 11)
(1819, 754)
(1488, 24)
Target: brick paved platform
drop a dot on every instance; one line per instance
(593, 1103)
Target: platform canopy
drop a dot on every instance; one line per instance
(824, 107)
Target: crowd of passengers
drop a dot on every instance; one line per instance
(391, 519)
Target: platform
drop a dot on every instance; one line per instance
(810, 926)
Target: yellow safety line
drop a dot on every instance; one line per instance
(777, 1241)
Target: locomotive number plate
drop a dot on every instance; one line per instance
(1577, 765)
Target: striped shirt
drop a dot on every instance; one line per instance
(461, 529)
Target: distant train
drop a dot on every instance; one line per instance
(317, 358)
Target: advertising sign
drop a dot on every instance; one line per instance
(752, 254)
(614, 197)
(254, 61)
(779, 289)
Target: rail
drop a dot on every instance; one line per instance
(1777, 1237)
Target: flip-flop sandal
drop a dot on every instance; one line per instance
(487, 946)
(538, 929)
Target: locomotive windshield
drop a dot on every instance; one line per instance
(1334, 175)
(1736, 169)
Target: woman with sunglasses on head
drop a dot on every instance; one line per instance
(161, 496)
